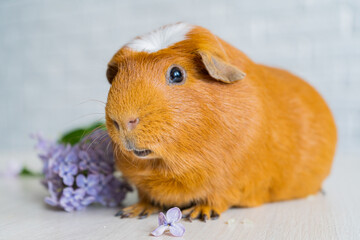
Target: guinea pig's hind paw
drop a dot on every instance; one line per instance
(214, 215)
(140, 210)
(119, 213)
(201, 212)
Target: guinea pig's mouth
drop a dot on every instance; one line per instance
(141, 153)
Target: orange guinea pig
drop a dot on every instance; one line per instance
(196, 124)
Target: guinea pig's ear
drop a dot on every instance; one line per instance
(111, 71)
(219, 69)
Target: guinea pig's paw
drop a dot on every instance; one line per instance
(202, 212)
(140, 210)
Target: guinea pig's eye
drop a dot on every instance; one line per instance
(175, 75)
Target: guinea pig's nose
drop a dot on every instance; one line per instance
(132, 123)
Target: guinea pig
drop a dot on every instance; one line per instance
(198, 125)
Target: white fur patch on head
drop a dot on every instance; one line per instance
(160, 38)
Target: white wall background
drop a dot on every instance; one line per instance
(53, 54)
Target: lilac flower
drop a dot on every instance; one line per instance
(79, 175)
(105, 179)
(72, 157)
(106, 198)
(71, 199)
(84, 162)
(53, 199)
(90, 183)
(98, 166)
(112, 191)
(171, 222)
(67, 172)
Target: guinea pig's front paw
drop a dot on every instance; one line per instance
(202, 212)
(140, 210)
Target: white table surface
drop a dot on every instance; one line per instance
(23, 215)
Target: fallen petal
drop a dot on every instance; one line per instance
(177, 229)
(159, 230)
(162, 219)
(173, 215)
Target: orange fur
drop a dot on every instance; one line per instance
(268, 137)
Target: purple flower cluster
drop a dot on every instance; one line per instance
(82, 174)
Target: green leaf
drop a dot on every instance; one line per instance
(25, 172)
(74, 136)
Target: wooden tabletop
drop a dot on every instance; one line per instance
(335, 215)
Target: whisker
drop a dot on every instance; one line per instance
(98, 140)
(92, 100)
(92, 131)
(107, 148)
(127, 159)
(87, 115)
(71, 122)
(102, 137)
